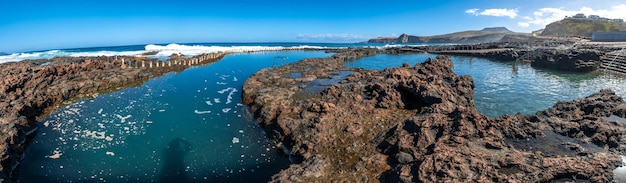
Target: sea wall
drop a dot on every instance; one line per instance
(31, 89)
(576, 60)
(418, 124)
(568, 59)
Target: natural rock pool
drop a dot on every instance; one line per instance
(184, 127)
(508, 87)
(191, 126)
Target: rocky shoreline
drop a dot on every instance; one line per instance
(418, 124)
(347, 129)
(33, 88)
(561, 55)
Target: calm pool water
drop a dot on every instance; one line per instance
(185, 127)
(191, 126)
(507, 87)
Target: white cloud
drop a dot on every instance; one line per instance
(497, 12)
(545, 16)
(472, 11)
(511, 13)
(523, 24)
(333, 37)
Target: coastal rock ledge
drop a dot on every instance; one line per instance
(419, 124)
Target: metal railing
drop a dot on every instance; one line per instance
(613, 61)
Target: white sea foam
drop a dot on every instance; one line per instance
(235, 140)
(94, 134)
(225, 110)
(56, 154)
(192, 50)
(201, 112)
(232, 90)
(162, 51)
(230, 96)
(208, 102)
(225, 90)
(123, 118)
(59, 53)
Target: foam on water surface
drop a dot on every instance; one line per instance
(140, 134)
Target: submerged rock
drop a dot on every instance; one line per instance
(419, 124)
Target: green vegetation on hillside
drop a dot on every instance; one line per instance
(581, 28)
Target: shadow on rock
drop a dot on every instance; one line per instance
(173, 169)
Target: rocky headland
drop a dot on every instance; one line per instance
(419, 124)
(31, 89)
(489, 34)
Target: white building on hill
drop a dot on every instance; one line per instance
(581, 16)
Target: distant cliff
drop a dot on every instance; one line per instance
(491, 34)
(580, 28)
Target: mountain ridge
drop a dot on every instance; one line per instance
(489, 34)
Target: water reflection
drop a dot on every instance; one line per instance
(510, 87)
(174, 168)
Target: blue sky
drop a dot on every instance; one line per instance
(38, 25)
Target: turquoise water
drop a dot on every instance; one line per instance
(509, 88)
(185, 127)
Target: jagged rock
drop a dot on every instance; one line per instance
(421, 122)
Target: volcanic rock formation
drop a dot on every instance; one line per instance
(419, 124)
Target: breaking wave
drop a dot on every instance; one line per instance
(162, 51)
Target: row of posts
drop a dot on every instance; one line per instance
(453, 47)
(187, 62)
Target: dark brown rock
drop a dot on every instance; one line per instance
(418, 124)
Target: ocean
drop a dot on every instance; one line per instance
(166, 50)
(191, 126)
